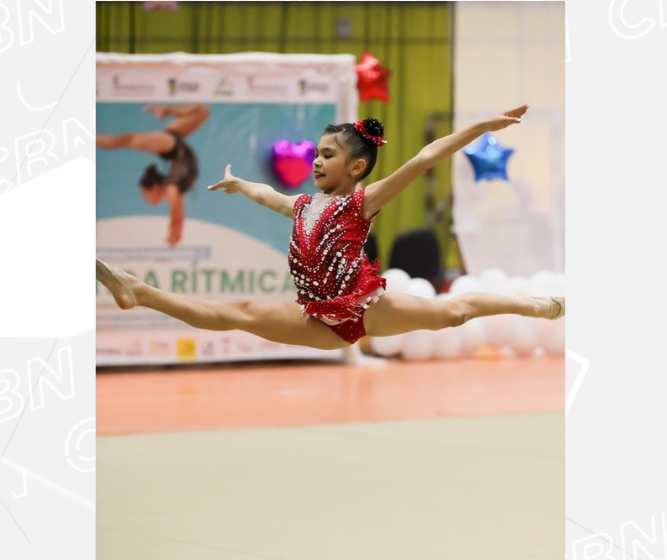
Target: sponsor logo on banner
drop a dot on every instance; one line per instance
(130, 86)
(269, 345)
(161, 348)
(182, 86)
(224, 88)
(186, 349)
(308, 86)
(226, 344)
(135, 348)
(265, 86)
(115, 351)
(208, 349)
(246, 343)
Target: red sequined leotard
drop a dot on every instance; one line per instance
(334, 282)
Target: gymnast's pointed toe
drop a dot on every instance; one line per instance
(103, 271)
(557, 307)
(117, 282)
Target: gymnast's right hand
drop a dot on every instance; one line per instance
(229, 184)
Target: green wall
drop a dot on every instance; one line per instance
(411, 38)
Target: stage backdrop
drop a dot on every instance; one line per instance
(231, 248)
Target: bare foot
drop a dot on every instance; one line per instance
(118, 282)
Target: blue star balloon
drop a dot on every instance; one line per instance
(488, 158)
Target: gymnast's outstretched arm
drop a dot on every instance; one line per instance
(263, 194)
(382, 192)
(176, 213)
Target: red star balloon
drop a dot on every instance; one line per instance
(372, 79)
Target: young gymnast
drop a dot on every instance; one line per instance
(168, 144)
(340, 295)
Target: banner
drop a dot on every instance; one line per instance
(167, 125)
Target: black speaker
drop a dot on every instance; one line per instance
(418, 253)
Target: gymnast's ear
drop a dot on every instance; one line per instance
(357, 168)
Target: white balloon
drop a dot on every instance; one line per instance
(421, 288)
(495, 281)
(387, 346)
(447, 344)
(554, 341)
(544, 283)
(519, 285)
(542, 328)
(464, 284)
(498, 330)
(397, 280)
(472, 337)
(524, 337)
(418, 345)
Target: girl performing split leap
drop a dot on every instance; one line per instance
(340, 295)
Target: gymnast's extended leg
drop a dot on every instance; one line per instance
(154, 142)
(396, 313)
(278, 322)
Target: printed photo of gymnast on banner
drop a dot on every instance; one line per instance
(171, 147)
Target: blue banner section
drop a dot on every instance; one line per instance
(240, 134)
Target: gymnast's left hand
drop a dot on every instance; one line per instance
(506, 119)
(229, 183)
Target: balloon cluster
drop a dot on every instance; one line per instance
(522, 336)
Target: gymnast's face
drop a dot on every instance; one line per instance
(153, 195)
(332, 167)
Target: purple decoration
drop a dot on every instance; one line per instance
(293, 163)
(150, 6)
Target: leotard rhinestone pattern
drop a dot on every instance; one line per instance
(325, 261)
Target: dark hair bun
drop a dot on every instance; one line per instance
(151, 176)
(374, 127)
